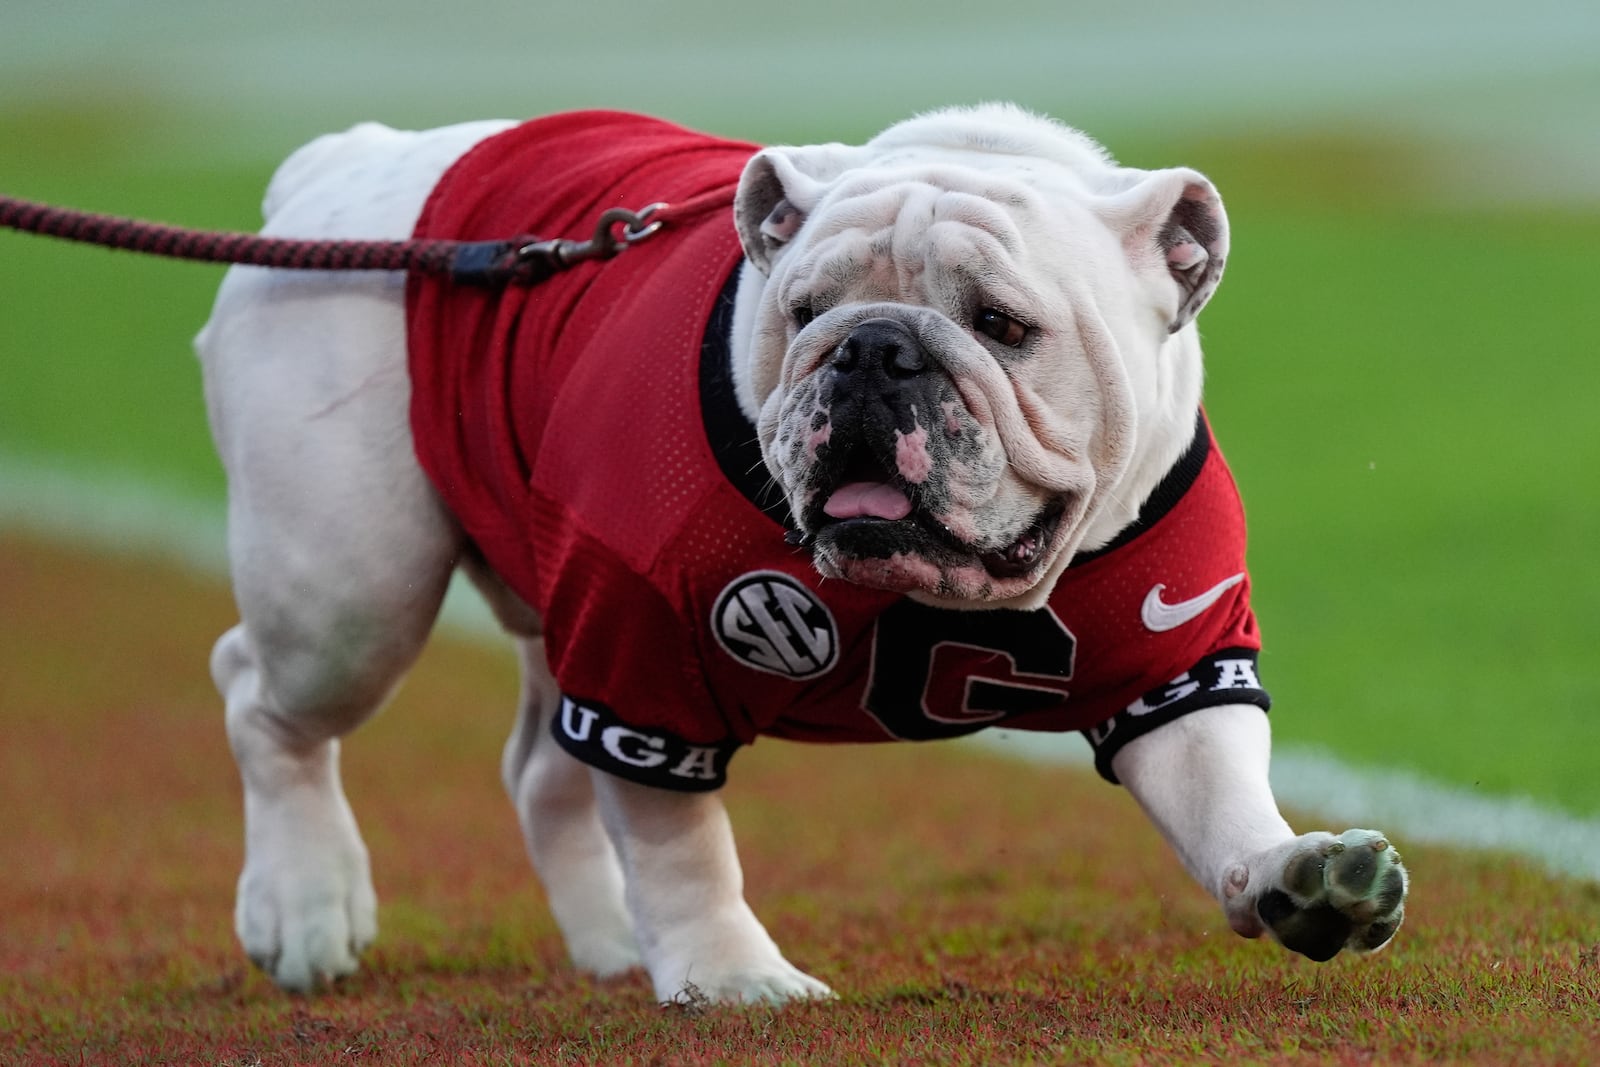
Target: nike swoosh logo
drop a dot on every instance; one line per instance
(1159, 616)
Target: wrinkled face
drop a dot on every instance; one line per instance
(970, 330)
(933, 420)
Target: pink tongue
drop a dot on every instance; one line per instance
(867, 498)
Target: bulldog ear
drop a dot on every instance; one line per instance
(779, 189)
(1173, 220)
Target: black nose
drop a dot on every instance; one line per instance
(880, 344)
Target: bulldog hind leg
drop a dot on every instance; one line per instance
(340, 550)
(340, 555)
(295, 678)
(562, 829)
(305, 907)
(1203, 781)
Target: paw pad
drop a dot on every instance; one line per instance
(1340, 892)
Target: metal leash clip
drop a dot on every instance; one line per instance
(617, 230)
(524, 261)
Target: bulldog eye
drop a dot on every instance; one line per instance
(803, 315)
(999, 326)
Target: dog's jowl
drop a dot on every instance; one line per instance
(896, 441)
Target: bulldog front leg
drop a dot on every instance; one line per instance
(686, 894)
(1203, 781)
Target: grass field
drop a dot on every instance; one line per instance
(966, 912)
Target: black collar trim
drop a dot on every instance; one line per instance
(729, 432)
(733, 439)
(1178, 480)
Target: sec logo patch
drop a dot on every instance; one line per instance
(769, 621)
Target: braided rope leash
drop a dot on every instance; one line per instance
(522, 260)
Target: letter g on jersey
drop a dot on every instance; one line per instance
(769, 621)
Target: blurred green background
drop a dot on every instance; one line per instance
(1402, 362)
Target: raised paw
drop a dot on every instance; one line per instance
(1322, 893)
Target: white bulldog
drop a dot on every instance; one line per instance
(964, 353)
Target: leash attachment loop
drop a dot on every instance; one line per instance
(526, 261)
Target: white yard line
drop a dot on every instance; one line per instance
(123, 516)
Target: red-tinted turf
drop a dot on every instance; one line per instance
(967, 909)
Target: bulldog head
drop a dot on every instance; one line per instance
(968, 345)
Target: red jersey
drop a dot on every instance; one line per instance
(584, 432)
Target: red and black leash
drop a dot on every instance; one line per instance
(522, 260)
